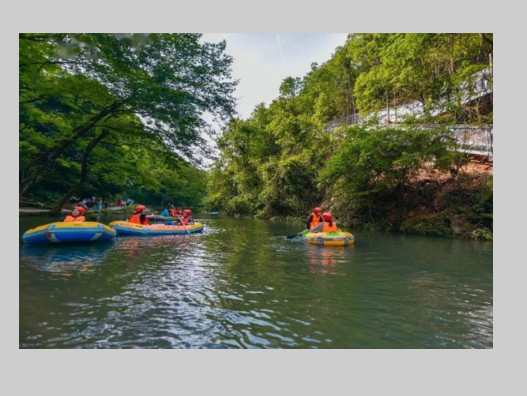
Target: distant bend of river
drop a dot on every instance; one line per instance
(240, 284)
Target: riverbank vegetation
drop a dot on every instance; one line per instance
(284, 160)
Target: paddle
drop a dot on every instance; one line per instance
(183, 224)
(295, 235)
(318, 228)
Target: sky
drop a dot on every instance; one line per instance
(263, 60)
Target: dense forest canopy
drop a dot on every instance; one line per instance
(283, 160)
(118, 114)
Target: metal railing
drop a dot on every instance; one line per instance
(477, 140)
(473, 140)
(351, 119)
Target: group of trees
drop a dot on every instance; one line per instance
(282, 160)
(123, 115)
(118, 115)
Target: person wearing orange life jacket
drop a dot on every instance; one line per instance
(187, 217)
(314, 219)
(139, 216)
(172, 211)
(77, 214)
(329, 224)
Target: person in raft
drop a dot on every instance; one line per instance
(187, 217)
(329, 224)
(77, 214)
(139, 216)
(314, 219)
(173, 212)
(167, 212)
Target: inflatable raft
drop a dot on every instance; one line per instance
(336, 238)
(126, 228)
(68, 232)
(159, 218)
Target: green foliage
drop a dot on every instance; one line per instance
(482, 234)
(290, 87)
(110, 114)
(268, 164)
(282, 161)
(434, 69)
(374, 169)
(473, 200)
(371, 160)
(436, 225)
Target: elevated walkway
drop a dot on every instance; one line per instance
(473, 140)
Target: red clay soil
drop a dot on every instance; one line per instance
(445, 182)
(474, 167)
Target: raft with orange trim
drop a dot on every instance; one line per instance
(69, 232)
(126, 228)
(335, 238)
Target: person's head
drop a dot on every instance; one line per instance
(140, 208)
(317, 210)
(327, 216)
(172, 207)
(78, 211)
(187, 212)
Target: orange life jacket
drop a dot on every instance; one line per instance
(173, 212)
(136, 218)
(330, 228)
(186, 220)
(316, 220)
(71, 218)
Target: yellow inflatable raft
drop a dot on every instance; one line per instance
(335, 238)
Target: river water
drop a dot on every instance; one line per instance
(241, 284)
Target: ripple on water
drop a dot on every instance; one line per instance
(241, 285)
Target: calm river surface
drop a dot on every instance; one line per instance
(240, 284)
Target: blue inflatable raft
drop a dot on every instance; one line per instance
(69, 232)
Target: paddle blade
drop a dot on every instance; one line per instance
(300, 234)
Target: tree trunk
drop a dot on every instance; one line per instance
(487, 39)
(83, 173)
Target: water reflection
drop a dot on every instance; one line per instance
(326, 260)
(64, 259)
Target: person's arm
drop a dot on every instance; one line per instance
(308, 222)
(319, 227)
